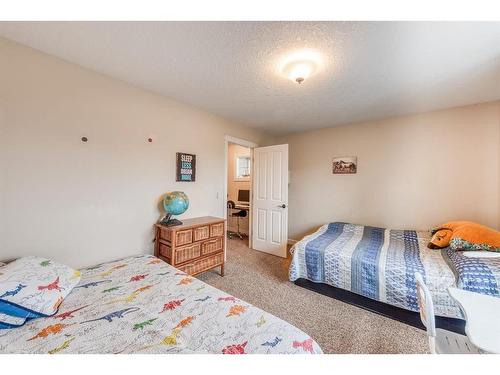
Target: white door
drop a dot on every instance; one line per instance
(270, 199)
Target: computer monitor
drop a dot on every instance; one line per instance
(244, 196)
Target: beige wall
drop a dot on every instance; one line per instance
(84, 203)
(413, 172)
(3, 175)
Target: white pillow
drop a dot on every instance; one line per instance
(34, 287)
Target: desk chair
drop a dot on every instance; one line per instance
(241, 213)
(440, 340)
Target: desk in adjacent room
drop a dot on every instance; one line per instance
(244, 221)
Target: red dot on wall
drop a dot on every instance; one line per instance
(150, 140)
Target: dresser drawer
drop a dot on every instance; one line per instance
(212, 246)
(183, 237)
(204, 264)
(165, 250)
(217, 230)
(201, 233)
(165, 234)
(185, 253)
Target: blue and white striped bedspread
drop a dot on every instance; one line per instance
(481, 275)
(376, 263)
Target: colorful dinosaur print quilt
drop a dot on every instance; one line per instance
(376, 263)
(143, 305)
(33, 287)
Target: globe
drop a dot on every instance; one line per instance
(175, 202)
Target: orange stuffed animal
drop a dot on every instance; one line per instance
(465, 235)
(440, 238)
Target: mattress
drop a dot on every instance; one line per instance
(376, 263)
(143, 305)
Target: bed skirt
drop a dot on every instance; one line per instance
(405, 316)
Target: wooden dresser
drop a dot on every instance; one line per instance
(193, 247)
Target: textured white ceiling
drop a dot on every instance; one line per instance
(372, 70)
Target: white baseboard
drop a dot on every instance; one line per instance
(292, 242)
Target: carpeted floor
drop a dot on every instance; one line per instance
(262, 280)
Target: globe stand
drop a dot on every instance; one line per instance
(169, 222)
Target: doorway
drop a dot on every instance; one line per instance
(238, 195)
(256, 182)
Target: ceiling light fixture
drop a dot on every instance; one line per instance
(300, 65)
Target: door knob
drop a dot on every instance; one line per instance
(282, 205)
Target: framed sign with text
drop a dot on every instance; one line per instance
(185, 167)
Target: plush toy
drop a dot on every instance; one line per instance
(440, 238)
(465, 235)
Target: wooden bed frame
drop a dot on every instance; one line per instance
(405, 316)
